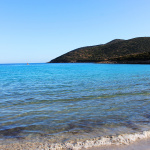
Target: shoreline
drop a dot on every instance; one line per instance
(136, 141)
(141, 144)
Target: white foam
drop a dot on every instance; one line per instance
(101, 141)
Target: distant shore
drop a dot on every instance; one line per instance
(132, 51)
(124, 62)
(112, 62)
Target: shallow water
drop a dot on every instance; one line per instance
(64, 102)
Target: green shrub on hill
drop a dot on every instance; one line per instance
(116, 50)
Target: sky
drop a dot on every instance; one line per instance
(36, 31)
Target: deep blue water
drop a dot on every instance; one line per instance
(46, 100)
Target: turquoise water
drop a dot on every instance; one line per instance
(70, 101)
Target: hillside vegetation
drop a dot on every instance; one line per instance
(135, 50)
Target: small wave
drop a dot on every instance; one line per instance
(124, 139)
(102, 141)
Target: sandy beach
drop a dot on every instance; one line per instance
(137, 145)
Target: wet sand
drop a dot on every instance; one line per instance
(137, 145)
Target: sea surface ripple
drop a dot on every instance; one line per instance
(70, 101)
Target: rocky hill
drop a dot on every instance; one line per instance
(136, 50)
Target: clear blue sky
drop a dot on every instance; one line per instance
(40, 30)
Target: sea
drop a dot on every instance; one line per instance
(74, 105)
